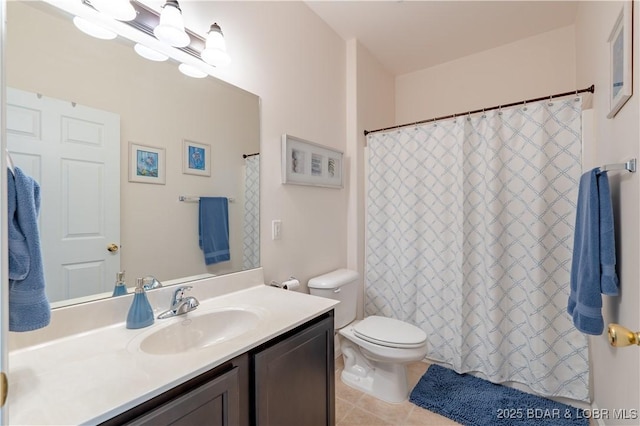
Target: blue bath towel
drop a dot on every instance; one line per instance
(213, 229)
(28, 304)
(593, 264)
(608, 279)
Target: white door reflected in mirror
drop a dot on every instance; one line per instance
(73, 152)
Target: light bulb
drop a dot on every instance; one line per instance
(170, 30)
(149, 53)
(215, 52)
(122, 10)
(93, 29)
(192, 71)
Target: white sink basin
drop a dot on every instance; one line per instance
(199, 330)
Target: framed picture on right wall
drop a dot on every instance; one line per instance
(308, 163)
(621, 59)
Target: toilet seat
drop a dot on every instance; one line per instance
(389, 332)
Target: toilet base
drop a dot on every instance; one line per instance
(382, 380)
(392, 392)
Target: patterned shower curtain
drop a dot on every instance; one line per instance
(469, 236)
(251, 224)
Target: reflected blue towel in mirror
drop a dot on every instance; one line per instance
(594, 259)
(29, 307)
(213, 229)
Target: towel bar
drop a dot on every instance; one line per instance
(188, 199)
(629, 166)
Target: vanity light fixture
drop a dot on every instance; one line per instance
(93, 29)
(191, 71)
(122, 10)
(215, 52)
(162, 34)
(149, 53)
(171, 27)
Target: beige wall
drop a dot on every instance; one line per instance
(371, 103)
(158, 106)
(616, 376)
(530, 68)
(285, 54)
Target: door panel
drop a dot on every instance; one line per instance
(73, 152)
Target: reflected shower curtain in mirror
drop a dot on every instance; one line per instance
(251, 224)
(469, 236)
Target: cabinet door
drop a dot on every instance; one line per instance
(294, 379)
(214, 403)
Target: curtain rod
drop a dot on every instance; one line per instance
(590, 89)
(250, 155)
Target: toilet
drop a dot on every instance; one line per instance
(376, 349)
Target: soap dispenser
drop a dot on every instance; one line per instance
(140, 313)
(120, 287)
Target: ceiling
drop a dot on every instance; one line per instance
(407, 36)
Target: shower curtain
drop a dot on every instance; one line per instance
(251, 223)
(469, 236)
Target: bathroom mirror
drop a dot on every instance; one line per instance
(161, 113)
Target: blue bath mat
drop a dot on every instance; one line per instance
(473, 401)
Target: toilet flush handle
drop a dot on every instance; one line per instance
(337, 290)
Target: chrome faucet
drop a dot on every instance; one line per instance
(150, 282)
(180, 304)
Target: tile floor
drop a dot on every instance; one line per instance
(357, 408)
(354, 407)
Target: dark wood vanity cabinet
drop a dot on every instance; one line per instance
(293, 379)
(217, 397)
(214, 403)
(288, 380)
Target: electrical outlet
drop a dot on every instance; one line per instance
(276, 229)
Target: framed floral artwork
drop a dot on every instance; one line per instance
(146, 164)
(196, 158)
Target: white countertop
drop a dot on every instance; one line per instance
(92, 376)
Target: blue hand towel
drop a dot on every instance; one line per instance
(213, 229)
(593, 262)
(28, 304)
(608, 279)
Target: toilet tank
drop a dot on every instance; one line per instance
(341, 285)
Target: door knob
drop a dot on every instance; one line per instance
(622, 336)
(112, 248)
(4, 388)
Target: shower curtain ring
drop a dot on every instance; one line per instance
(550, 100)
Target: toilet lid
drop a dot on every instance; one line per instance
(389, 332)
